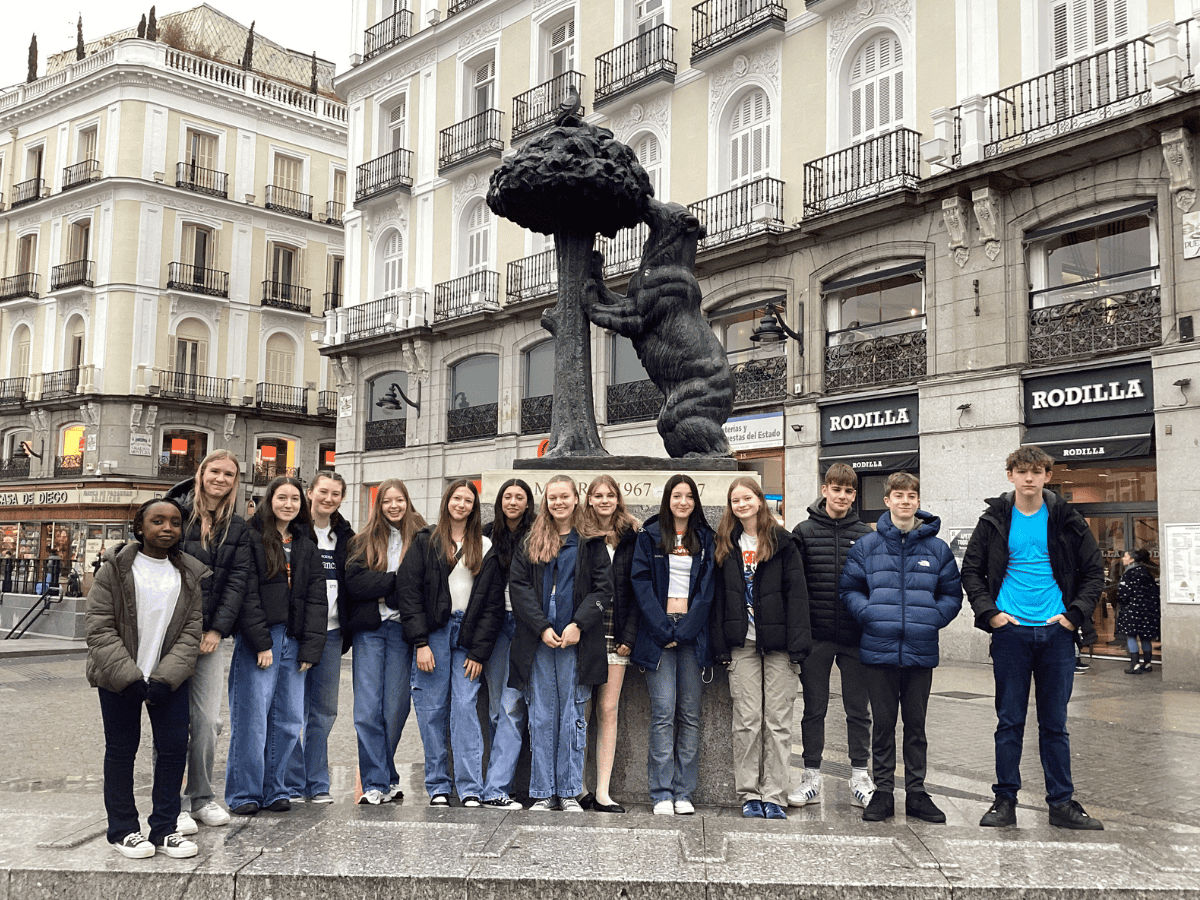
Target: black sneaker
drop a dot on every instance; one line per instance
(471, 802)
(921, 806)
(882, 806)
(440, 801)
(1001, 813)
(283, 804)
(1071, 815)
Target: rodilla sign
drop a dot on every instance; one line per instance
(1087, 393)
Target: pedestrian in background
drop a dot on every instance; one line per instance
(1139, 617)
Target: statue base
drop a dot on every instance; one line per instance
(628, 463)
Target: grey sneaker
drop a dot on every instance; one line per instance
(546, 804)
(323, 797)
(570, 804)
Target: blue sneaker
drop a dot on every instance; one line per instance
(753, 809)
(773, 811)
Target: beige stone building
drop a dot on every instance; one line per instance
(170, 235)
(978, 217)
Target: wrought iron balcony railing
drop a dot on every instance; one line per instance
(281, 397)
(197, 280)
(27, 192)
(623, 253)
(177, 468)
(879, 354)
(293, 203)
(740, 212)
(395, 312)
(61, 384)
(890, 162)
(532, 276)
(186, 386)
(81, 173)
(333, 300)
(13, 390)
(458, 6)
(634, 401)
(759, 380)
(1083, 328)
(23, 285)
(327, 403)
(265, 472)
(477, 292)
(12, 469)
(68, 466)
(281, 295)
(470, 139)
(718, 23)
(538, 107)
(535, 414)
(333, 212)
(201, 180)
(648, 57)
(82, 272)
(386, 434)
(391, 31)
(473, 423)
(390, 172)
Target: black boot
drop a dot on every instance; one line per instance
(1146, 660)
(1134, 665)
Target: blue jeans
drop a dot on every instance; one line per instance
(445, 703)
(508, 716)
(382, 664)
(557, 723)
(285, 721)
(308, 769)
(251, 705)
(122, 733)
(674, 689)
(205, 688)
(1045, 653)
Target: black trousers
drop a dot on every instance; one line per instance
(902, 690)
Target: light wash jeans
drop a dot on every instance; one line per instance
(674, 689)
(382, 666)
(308, 769)
(557, 726)
(508, 716)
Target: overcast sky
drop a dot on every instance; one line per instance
(303, 26)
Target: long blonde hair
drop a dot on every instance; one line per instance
(214, 525)
(764, 520)
(622, 521)
(370, 544)
(544, 541)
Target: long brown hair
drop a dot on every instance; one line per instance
(472, 555)
(214, 525)
(690, 541)
(622, 521)
(265, 521)
(370, 544)
(544, 541)
(504, 540)
(764, 520)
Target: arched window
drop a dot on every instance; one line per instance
(474, 396)
(73, 349)
(876, 87)
(478, 238)
(391, 264)
(649, 154)
(750, 139)
(281, 360)
(189, 348)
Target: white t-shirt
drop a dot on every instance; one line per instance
(679, 568)
(749, 547)
(395, 546)
(157, 584)
(326, 544)
(461, 581)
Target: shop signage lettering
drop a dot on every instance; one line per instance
(1081, 451)
(867, 464)
(1088, 393)
(34, 498)
(875, 419)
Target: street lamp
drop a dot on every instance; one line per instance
(395, 396)
(772, 329)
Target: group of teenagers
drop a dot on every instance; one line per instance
(548, 605)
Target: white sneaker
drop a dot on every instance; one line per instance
(684, 808)
(185, 824)
(372, 798)
(210, 814)
(862, 788)
(393, 793)
(808, 790)
(664, 808)
(177, 846)
(135, 846)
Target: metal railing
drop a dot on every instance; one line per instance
(281, 397)
(81, 272)
(758, 380)
(283, 200)
(333, 300)
(890, 162)
(740, 212)
(392, 171)
(471, 138)
(281, 295)
(186, 386)
(81, 173)
(648, 56)
(472, 423)
(386, 434)
(1076, 95)
(333, 212)
(27, 192)
(391, 31)
(14, 390)
(177, 469)
(327, 403)
(23, 285)
(61, 384)
(197, 280)
(538, 107)
(633, 401)
(532, 276)
(1083, 328)
(381, 316)
(623, 253)
(716, 23)
(264, 472)
(24, 576)
(875, 360)
(477, 292)
(535, 414)
(12, 469)
(68, 466)
(201, 180)
(458, 6)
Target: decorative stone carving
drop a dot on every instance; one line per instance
(394, 213)
(399, 73)
(1178, 154)
(765, 64)
(478, 33)
(986, 203)
(151, 416)
(293, 325)
(638, 116)
(74, 303)
(846, 24)
(65, 209)
(89, 414)
(135, 418)
(472, 187)
(954, 214)
(208, 310)
(230, 424)
(199, 209)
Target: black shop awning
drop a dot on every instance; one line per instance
(901, 455)
(1095, 439)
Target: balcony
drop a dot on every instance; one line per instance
(177, 468)
(472, 423)
(1092, 90)
(740, 212)
(196, 388)
(395, 312)
(333, 212)
(199, 180)
(197, 280)
(759, 380)
(387, 434)
(538, 107)
(13, 390)
(880, 353)
(474, 293)
(716, 24)
(23, 285)
(27, 192)
(535, 414)
(532, 276)
(647, 59)
(393, 30)
(68, 466)
(281, 295)
(80, 273)
(60, 385)
(459, 5)
(623, 253)
(333, 300)
(265, 472)
(293, 203)
(327, 403)
(890, 162)
(475, 138)
(80, 174)
(15, 468)
(390, 172)
(1085, 327)
(281, 398)
(634, 401)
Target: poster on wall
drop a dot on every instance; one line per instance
(1180, 575)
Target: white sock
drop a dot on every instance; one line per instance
(855, 771)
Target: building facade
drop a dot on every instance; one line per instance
(979, 218)
(169, 237)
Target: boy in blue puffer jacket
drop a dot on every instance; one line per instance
(902, 585)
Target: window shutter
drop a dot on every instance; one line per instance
(87, 145)
(171, 351)
(201, 367)
(22, 366)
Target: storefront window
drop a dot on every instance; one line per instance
(871, 307)
(1109, 484)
